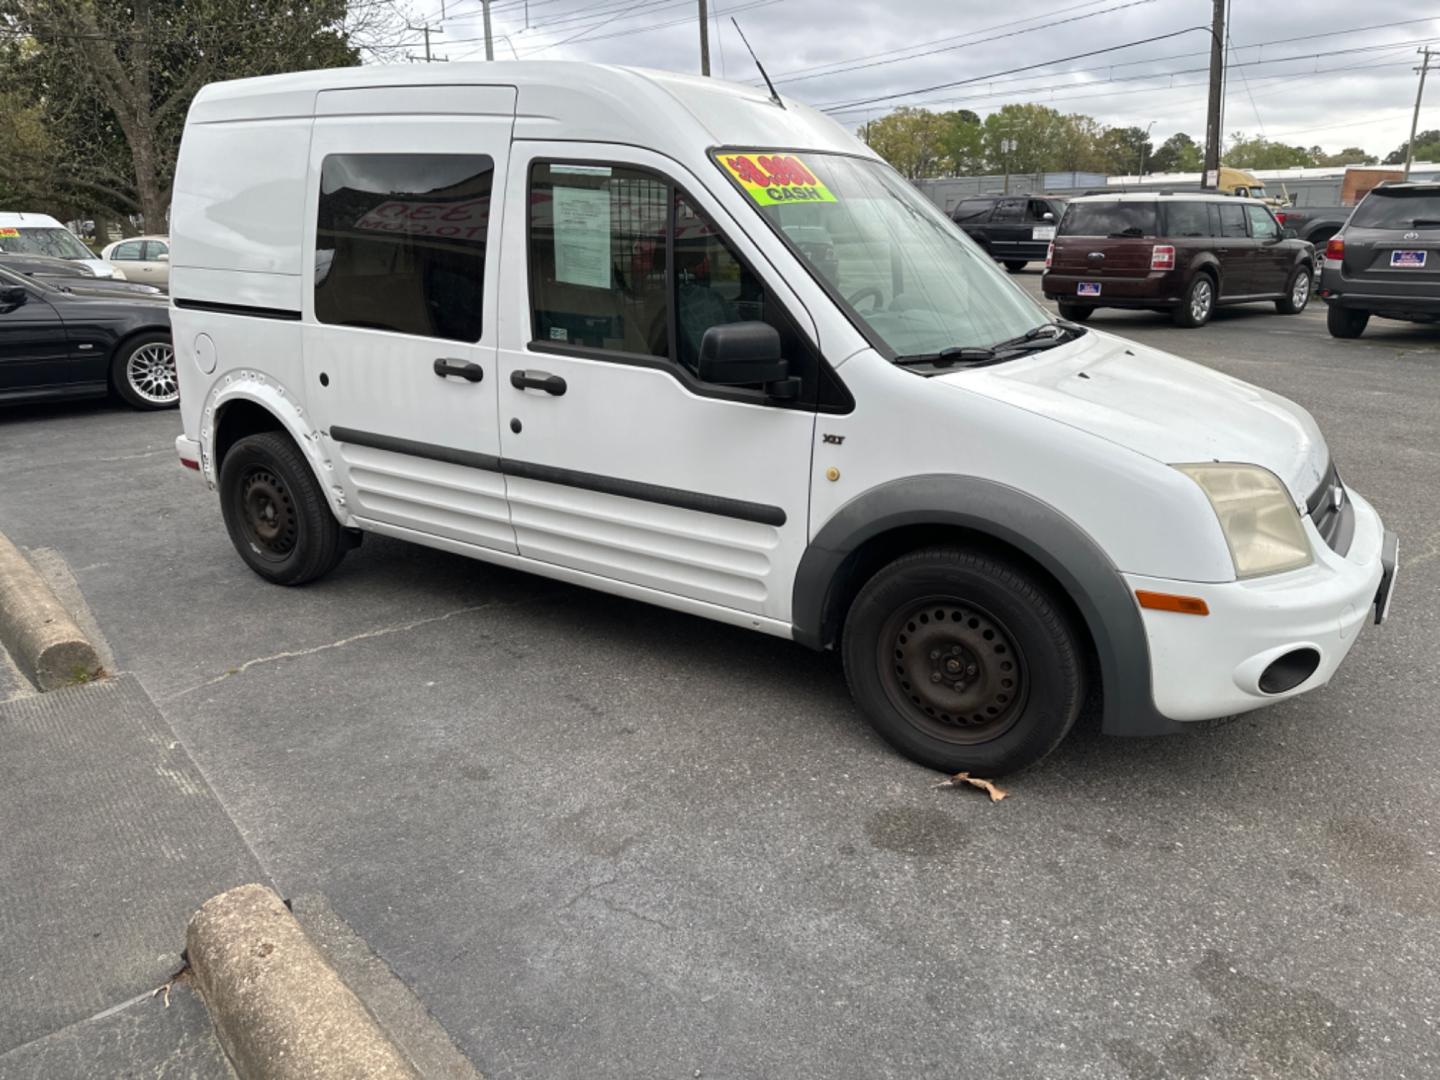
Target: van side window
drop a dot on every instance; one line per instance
(400, 243)
(973, 210)
(1184, 219)
(1232, 220)
(1262, 225)
(598, 257)
(1009, 210)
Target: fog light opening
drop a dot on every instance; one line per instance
(1289, 671)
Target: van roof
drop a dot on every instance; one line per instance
(1167, 196)
(12, 220)
(558, 99)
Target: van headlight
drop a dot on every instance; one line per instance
(1257, 516)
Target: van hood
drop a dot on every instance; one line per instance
(1156, 404)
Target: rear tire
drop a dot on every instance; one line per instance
(1075, 312)
(276, 511)
(1297, 292)
(1346, 322)
(1198, 303)
(962, 661)
(1015, 265)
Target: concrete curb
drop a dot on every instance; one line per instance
(36, 628)
(279, 1008)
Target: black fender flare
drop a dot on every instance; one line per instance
(1020, 521)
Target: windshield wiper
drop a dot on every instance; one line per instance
(1044, 336)
(1425, 221)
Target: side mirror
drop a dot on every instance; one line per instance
(1047, 216)
(737, 354)
(1288, 234)
(12, 296)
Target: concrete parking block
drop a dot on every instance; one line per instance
(36, 629)
(280, 1009)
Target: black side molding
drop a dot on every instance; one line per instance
(740, 509)
(284, 314)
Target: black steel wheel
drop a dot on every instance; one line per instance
(964, 661)
(276, 512)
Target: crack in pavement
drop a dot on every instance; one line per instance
(290, 654)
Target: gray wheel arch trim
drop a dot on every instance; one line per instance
(1023, 522)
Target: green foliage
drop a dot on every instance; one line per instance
(912, 140)
(1351, 155)
(1261, 153)
(1427, 148)
(107, 84)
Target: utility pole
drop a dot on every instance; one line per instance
(489, 39)
(426, 31)
(1415, 118)
(1217, 80)
(704, 38)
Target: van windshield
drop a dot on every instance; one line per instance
(60, 243)
(910, 276)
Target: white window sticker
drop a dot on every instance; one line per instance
(559, 333)
(582, 236)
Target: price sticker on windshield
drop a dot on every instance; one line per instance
(776, 179)
(9, 234)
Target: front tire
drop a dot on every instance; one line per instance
(143, 372)
(1297, 293)
(1075, 312)
(1015, 265)
(1346, 322)
(1198, 303)
(276, 512)
(962, 661)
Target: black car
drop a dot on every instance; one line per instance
(72, 275)
(1013, 229)
(55, 343)
(1386, 260)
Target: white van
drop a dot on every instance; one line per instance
(41, 234)
(675, 340)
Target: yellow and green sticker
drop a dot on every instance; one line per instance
(775, 179)
(12, 234)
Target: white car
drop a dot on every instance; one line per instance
(40, 234)
(142, 258)
(554, 316)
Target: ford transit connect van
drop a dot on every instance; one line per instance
(675, 340)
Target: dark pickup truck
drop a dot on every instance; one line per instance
(1314, 223)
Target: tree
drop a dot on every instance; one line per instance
(113, 79)
(1261, 153)
(1178, 153)
(964, 142)
(1351, 155)
(910, 139)
(1427, 148)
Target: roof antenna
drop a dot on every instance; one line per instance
(773, 95)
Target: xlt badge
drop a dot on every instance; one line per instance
(835, 440)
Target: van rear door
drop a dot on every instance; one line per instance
(400, 318)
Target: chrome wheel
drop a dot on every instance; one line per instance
(1201, 297)
(1301, 293)
(150, 373)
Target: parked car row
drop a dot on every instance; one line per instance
(1189, 253)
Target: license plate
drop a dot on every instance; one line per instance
(1409, 260)
(1087, 288)
(1390, 560)
(1043, 232)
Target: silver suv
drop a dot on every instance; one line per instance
(1386, 260)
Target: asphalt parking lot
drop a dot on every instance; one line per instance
(599, 839)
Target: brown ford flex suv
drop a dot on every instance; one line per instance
(1179, 253)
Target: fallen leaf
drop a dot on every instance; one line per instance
(995, 793)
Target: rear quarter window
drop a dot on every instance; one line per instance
(1380, 210)
(1109, 219)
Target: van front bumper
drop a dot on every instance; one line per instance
(1262, 635)
(189, 451)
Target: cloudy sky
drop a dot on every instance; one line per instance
(1330, 72)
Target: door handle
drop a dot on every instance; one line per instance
(470, 372)
(553, 385)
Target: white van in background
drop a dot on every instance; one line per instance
(674, 339)
(41, 234)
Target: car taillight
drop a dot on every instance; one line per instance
(1162, 257)
(1049, 254)
(1335, 248)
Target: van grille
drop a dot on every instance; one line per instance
(1332, 512)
